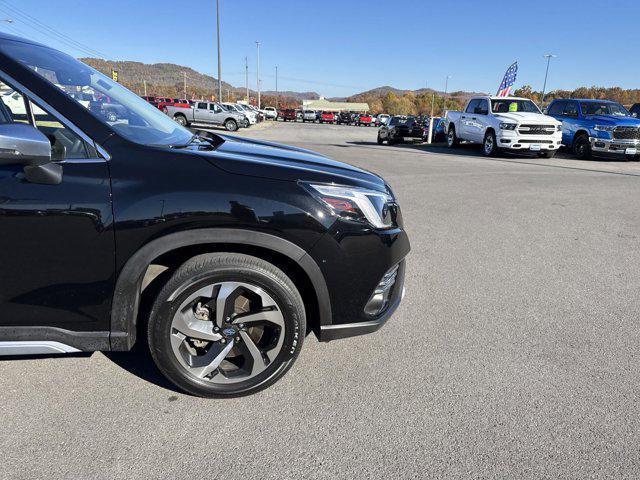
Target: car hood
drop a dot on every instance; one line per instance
(259, 158)
(614, 120)
(521, 117)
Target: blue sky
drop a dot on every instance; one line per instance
(339, 48)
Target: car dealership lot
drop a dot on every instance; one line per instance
(514, 354)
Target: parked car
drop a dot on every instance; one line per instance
(257, 242)
(308, 116)
(344, 118)
(242, 109)
(298, 114)
(382, 119)
(208, 113)
(270, 113)
(327, 117)
(509, 123)
(153, 100)
(288, 114)
(162, 102)
(438, 130)
(365, 120)
(401, 129)
(598, 127)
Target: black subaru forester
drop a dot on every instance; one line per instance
(219, 253)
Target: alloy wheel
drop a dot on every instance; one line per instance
(227, 332)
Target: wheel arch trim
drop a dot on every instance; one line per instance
(128, 289)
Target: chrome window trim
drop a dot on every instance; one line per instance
(64, 120)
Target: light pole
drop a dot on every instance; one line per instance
(446, 89)
(219, 62)
(258, 73)
(276, 87)
(548, 56)
(246, 76)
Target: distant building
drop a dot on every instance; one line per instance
(329, 106)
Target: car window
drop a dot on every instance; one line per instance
(202, 106)
(557, 108)
(571, 109)
(65, 144)
(472, 105)
(483, 107)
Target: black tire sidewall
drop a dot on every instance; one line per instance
(162, 315)
(582, 139)
(494, 149)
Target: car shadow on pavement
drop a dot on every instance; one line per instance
(138, 362)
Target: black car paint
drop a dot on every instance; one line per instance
(67, 248)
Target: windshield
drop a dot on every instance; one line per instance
(510, 105)
(125, 112)
(603, 108)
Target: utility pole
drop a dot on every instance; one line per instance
(246, 76)
(258, 73)
(185, 84)
(276, 87)
(145, 87)
(219, 62)
(548, 56)
(446, 89)
(228, 96)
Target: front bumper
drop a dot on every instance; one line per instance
(334, 332)
(618, 147)
(512, 140)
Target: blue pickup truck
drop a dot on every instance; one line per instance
(597, 127)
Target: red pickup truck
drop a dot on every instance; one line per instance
(365, 119)
(287, 114)
(327, 117)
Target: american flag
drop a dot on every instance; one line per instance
(508, 80)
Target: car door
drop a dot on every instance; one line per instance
(57, 247)
(556, 110)
(217, 114)
(466, 119)
(201, 112)
(478, 122)
(570, 122)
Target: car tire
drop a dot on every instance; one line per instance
(182, 120)
(231, 125)
(390, 140)
(489, 144)
(548, 154)
(582, 147)
(214, 356)
(380, 141)
(452, 138)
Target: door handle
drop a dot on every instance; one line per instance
(464, 117)
(473, 118)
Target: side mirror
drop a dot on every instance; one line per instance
(22, 144)
(545, 111)
(634, 114)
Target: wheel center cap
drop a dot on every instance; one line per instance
(229, 331)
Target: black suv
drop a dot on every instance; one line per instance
(218, 252)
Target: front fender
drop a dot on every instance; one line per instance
(126, 299)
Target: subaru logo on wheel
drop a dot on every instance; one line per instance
(229, 331)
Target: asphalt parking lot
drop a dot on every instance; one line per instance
(514, 354)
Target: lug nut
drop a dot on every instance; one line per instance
(237, 339)
(223, 341)
(241, 325)
(216, 329)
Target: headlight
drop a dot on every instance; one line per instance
(508, 126)
(604, 128)
(354, 203)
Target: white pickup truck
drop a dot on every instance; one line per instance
(504, 123)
